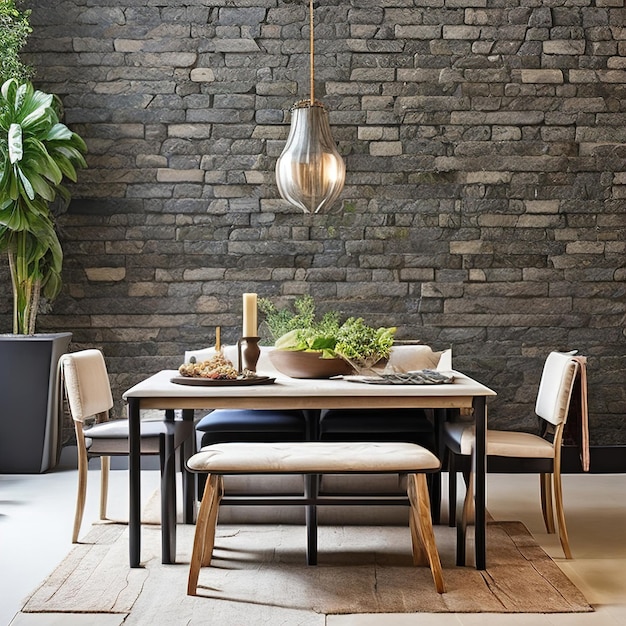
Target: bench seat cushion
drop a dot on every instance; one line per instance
(314, 457)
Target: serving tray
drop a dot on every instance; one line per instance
(222, 382)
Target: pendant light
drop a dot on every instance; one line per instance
(310, 172)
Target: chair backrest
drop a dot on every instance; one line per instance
(406, 358)
(555, 387)
(86, 384)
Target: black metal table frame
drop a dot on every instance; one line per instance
(137, 402)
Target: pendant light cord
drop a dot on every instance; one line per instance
(312, 51)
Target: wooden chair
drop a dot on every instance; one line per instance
(89, 398)
(317, 458)
(521, 452)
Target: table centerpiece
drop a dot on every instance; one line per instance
(308, 347)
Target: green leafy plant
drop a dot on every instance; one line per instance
(37, 154)
(353, 340)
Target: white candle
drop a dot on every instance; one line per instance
(249, 315)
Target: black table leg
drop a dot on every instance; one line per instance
(168, 499)
(189, 478)
(311, 488)
(480, 540)
(134, 471)
(435, 483)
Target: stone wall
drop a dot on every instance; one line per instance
(484, 206)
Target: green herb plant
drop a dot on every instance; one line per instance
(353, 340)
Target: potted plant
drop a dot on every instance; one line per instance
(37, 154)
(306, 347)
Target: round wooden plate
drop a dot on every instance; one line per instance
(224, 382)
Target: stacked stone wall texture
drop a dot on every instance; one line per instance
(485, 201)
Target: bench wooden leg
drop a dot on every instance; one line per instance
(419, 553)
(209, 539)
(205, 531)
(423, 527)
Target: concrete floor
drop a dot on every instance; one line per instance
(36, 513)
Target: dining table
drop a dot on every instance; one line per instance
(164, 391)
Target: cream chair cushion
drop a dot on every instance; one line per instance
(499, 442)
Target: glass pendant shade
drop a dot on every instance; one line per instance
(310, 172)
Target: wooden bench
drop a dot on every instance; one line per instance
(314, 458)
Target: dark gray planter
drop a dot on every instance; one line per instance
(30, 421)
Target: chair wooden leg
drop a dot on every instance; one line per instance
(545, 483)
(105, 466)
(81, 492)
(420, 506)
(202, 522)
(560, 513)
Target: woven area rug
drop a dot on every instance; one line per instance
(259, 572)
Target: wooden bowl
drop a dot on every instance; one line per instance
(299, 364)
